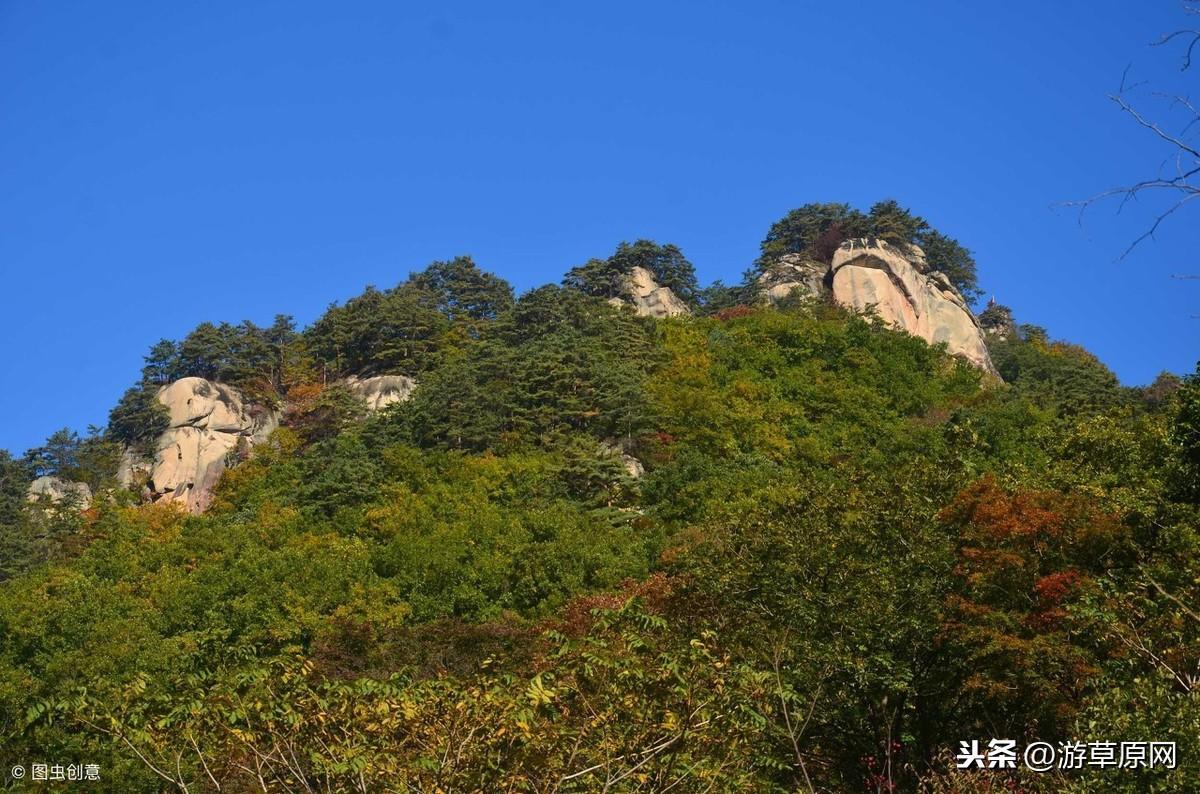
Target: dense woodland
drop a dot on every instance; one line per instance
(849, 551)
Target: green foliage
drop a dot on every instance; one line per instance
(1185, 438)
(816, 230)
(58, 456)
(16, 543)
(464, 293)
(947, 256)
(892, 223)
(847, 552)
(628, 705)
(558, 362)
(602, 277)
(138, 418)
(1055, 375)
(92, 460)
(254, 359)
(397, 331)
(718, 296)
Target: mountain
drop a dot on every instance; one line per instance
(806, 532)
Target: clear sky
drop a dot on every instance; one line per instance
(162, 164)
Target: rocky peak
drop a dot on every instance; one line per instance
(207, 422)
(869, 273)
(895, 282)
(639, 289)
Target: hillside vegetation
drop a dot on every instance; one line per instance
(848, 552)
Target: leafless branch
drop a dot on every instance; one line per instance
(1184, 185)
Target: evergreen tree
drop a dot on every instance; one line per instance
(1185, 437)
(59, 456)
(464, 292)
(816, 230)
(395, 332)
(602, 277)
(138, 419)
(892, 223)
(16, 543)
(666, 262)
(946, 255)
(162, 363)
(800, 231)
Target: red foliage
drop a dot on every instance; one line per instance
(734, 312)
(575, 618)
(1023, 558)
(827, 242)
(1052, 589)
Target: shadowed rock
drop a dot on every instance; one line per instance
(792, 273)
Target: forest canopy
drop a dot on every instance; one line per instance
(759, 548)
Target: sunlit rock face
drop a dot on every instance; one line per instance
(209, 424)
(58, 492)
(872, 274)
(380, 391)
(648, 298)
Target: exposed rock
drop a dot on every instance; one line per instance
(208, 422)
(789, 273)
(648, 298)
(870, 273)
(633, 466)
(59, 491)
(916, 255)
(382, 390)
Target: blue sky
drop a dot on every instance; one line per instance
(163, 164)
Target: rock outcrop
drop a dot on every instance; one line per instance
(58, 491)
(380, 391)
(895, 283)
(648, 298)
(209, 423)
(792, 273)
(633, 466)
(874, 274)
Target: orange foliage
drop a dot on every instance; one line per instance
(575, 618)
(1023, 558)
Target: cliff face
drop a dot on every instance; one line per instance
(208, 422)
(790, 273)
(212, 424)
(895, 283)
